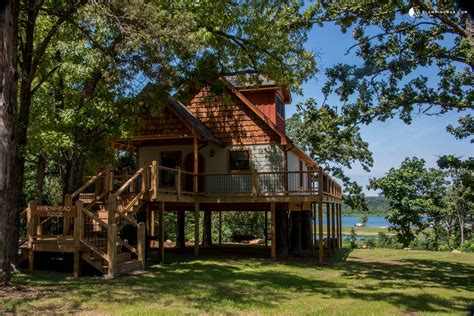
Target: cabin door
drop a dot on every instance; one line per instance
(189, 166)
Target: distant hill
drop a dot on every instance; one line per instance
(377, 205)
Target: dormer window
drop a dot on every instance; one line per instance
(280, 107)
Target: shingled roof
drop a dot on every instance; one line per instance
(193, 121)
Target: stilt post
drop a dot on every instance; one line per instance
(220, 228)
(273, 214)
(141, 233)
(320, 215)
(333, 227)
(196, 229)
(154, 180)
(266, 229)
(161, 218)
(78, 233)
(112, 250)
(30, 233)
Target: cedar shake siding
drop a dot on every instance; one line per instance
(164, 123)
(231, 120)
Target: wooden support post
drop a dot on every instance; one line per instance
(320, 213)
(145, 182)
(338, 237)
(315, 232)
(333, 227)
(266, 229)
(112, 250)
(178, 182)
(273, 214)
(141, 236)
(111, 208)
(328, 228)
(147, 220)
(108, 179)
(78, 233)
(154, 180)
(152, 223)
(196, 229)
(340, 225)
(161, 232)
(220, 228)
(321, 238)
(196, 166)
(66, 220)
(30, 233)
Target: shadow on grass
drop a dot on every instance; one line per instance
(217, 285)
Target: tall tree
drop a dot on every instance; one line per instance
(8, 104)
(334, 141)
(460, 195)
(412, 191)
(397, 49)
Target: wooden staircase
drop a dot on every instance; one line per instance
(119, 209)
(92, 229)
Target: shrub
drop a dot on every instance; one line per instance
(371, 243)
(466, 246)
(353, 238)
(443, 247)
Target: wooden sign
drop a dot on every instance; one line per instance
(54, 211)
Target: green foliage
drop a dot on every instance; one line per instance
(386, 241)
(376, 205)
(370, 242)
(412, 190)
(353, 238)
(333, 141)
(364, 218)
(395, 50)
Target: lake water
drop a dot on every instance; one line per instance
(374, 221)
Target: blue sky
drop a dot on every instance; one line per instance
(390, 141)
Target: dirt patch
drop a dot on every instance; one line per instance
(25, 292)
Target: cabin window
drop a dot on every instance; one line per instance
(239, 160)
(169, 160)
(280, 107)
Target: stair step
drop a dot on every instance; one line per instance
(129, 266)
(124, 256)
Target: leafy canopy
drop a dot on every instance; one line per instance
(333, 141)
(412, 191)
(396, 52)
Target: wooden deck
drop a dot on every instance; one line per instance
(92, 223)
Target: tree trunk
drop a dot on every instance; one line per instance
(8, 105)
(180, 221)
(72, 173)
(306, 227)
(461, 226)
(295, 232)
(281, 220)
(40, 175)
(207, 229)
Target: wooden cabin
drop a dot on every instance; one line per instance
(215, 152)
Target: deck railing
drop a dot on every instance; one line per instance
(166, 180)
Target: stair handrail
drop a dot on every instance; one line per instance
(87, 184)
(23, 214)
(129, 181)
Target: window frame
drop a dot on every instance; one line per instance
(279, 99)
(249, 153)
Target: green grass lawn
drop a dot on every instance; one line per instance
(364, 231)
(361, 282)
